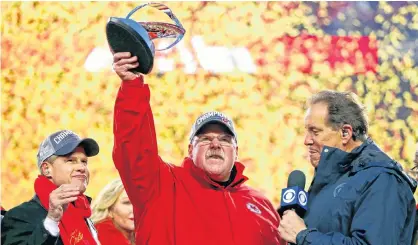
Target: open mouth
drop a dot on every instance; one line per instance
(215, 157)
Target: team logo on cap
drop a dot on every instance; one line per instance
(45, 148)
(253, 208)
(226, 120)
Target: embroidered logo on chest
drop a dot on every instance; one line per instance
(75, 237)
(253, 208)
(338, 189)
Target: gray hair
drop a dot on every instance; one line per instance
(50, 160)
(344, 108)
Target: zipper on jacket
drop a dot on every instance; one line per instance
(226, 196)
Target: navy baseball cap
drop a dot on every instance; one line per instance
(213, 117)
(64, 142)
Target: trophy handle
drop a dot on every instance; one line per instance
(154, 28)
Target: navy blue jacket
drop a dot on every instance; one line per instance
(361, 197)
(23, 225)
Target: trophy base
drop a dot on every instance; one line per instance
(127, 36)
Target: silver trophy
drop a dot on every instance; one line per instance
(127, 35)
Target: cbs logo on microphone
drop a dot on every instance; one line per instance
(290, 195)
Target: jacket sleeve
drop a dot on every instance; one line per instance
(415, 232)
(275, 220)
(18, 229)
(381, 216)
(135, 151)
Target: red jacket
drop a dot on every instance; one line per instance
(181, 205)
(109, 235)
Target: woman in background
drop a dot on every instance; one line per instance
(112, 214)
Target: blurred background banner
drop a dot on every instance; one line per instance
(255, 61)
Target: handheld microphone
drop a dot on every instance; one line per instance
(294, 197)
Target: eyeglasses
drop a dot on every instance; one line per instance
(224, 139)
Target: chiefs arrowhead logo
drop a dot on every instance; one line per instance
(253, 208)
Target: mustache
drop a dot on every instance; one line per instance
(215, 152)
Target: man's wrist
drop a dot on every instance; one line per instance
(134, 79)
(51, 226)
(301, 236)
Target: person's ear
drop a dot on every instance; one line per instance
(46, 169)
(190, 150)
(346, 133)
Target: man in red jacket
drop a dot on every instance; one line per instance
(205, 201)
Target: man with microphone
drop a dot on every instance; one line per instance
(294, 197)
(358, 195)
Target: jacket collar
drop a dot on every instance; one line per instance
(373, 156)
(342, 160)
(204, 179)
(335, 162)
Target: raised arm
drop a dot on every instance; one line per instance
(135, 151)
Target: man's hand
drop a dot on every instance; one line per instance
(290, 225)
(59, 199)
(122, 62)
